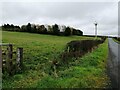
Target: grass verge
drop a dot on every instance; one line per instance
(116, 40)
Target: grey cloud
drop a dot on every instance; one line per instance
(79, 15)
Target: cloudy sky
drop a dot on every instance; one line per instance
(80, 15)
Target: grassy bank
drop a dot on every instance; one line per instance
(116, 40)
(40, 50)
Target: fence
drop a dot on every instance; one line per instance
(10, 61)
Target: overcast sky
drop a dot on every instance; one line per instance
(80, 15)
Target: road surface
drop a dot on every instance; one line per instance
(114, 62)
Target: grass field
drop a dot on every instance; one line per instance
(40, 50)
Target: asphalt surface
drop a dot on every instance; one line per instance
(114, 63)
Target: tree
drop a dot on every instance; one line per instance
(34, 30)
(79, 33)
(11, 27)
(16, 28)
(7, 26)
(43, 29)
(67, 31)
(29, 29)
(38, 29)
(23, 28)
(56, 30)
(74, 31)
(50, 30)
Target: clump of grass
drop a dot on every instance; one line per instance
(47, 82)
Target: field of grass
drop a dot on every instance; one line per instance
(40, 50)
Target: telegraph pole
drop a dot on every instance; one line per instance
(95, 29)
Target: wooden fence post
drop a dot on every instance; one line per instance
(19, 60)
(10, 49)
(9, 57)
(0, 56)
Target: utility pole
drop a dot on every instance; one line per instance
(95, 29)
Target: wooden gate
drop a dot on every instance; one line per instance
(10, 61)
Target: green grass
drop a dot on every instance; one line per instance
(40, 50)
(116, 40)
(86, 72)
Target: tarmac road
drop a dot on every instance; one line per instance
(114, 63)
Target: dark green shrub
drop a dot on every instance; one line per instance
(78, 48)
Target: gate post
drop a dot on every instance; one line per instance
(19, 60)
(9, 58)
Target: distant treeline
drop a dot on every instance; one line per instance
(42, 29)
(117, 38)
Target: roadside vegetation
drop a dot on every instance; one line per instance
(39, 52)
(116, 40)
